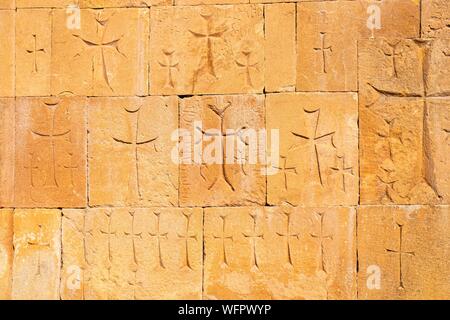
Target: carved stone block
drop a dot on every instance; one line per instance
(218, 170)
(280, 253)
(37, 254)
(127, 253)
(403, 252)
(131, 151)
(318, 160)
(107, 56)
(50, 165)
(207, 49)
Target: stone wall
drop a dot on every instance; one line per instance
(99, 198)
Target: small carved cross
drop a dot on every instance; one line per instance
(341, 169)
(321, 238)
(35, 52)
(39, 244)
(400, 253)
(223, 237)
(323, 50)
(288, 235)
(158, 235)
(253, 237)
(134, 235)
(185, 238)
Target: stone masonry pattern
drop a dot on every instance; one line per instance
(100, 99)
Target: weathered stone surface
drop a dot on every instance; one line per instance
(130, 151)
(107, 56)
(399, 84)
(7, 147)
(207, 49)
(33, 52)
(6, 253)
(128, 253)
(37, 254)
(45, 4)
(7, 54)
(280, 253)
(123, 3)
(7, 4)
(211, 174)
(280, 47)
(50, 165)
(436, 19)
(327, 39)
(318, 162)
(403, 252)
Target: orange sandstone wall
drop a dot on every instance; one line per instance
(104, 104)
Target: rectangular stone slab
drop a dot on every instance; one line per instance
(37, 254)
(51, 152)
(280, 46)
(403, 252)
(217, 176)
(399, 162)
(33, 52)
(318, 151)
(132, 253)
(280, 253)
(107, 56)
(131, 161)
(207, 50)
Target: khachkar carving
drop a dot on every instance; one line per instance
(254, 237)
(324, 50)
(401, 254)
(95, 59)
(131, 162)
(99, 46)
(136, 250)
(407, 168)
(50, 170)
(213, 53)
(321, 236)
(223, 133)
(35, 51)
(403, 234)
(288, 235)
(135, 143)
(318, 153)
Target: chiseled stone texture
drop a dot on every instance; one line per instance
(327, 39)
(7, 54)
(436, 19)
(280, 47)
(404, 145)
(207, 49)
(217, 176)
(33, 52)
(404, 252)
(280, 253)
(6, 253)
(130, 151)
(37, 254)
(318, 159)
(50, 165)
(7, 147)
(132, 253)
(107, 56)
